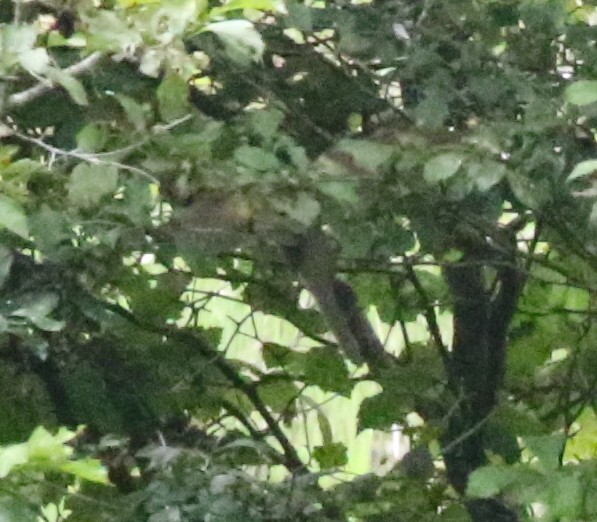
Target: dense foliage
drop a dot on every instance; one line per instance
(234, 235)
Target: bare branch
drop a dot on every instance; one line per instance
(452, 445)
(93, 159)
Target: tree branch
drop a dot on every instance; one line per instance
(28, 95)
(313, 257)
(429, 313)
(291, 459)
(92, 158)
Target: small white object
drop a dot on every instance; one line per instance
(400, 31)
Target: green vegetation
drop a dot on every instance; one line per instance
(242, 242)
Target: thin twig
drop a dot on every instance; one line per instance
(291, 459)
(164, 127)
(243, 419)
(468, 433)
(429, 313)
(28, 95)
(93, 159)
(405, 337)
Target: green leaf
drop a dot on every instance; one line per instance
(345, 191)
(47, 448)
(298, 156)
(138, 201)
(88, 184)
(135, 112)
(489, 481)
(36, 61)
(50, 229)
(547, 448)
(266, 122)
(373, 290)
(71, 84)
(279, 395)
(109, 32)
(379, 412)
(304, 208)
(486, 174)
(36, 308)
(127, 4)
(453, 255)
(455, 513)
(368, 155)
(151, 62)
(11, 457)
(49, 452)
(442, 167)
(256, 158)
(582, 169)
(14, 509)
(86, 469)
(325, 428)
(172, 96)
(326, 368)
(13, 217)
(582, 92)
(431, 112)
(174, 17)
(237, 5)
(518, 420)
(18, 38)
(299, 16)
(565, 498)
(501, 440)
(92, 137)
(18, 172)
(63, 435)
(242, 41)
(278, 356)
(50, 512)
(331, 455)
(158, 297)
(582, 445)
(7, 153)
